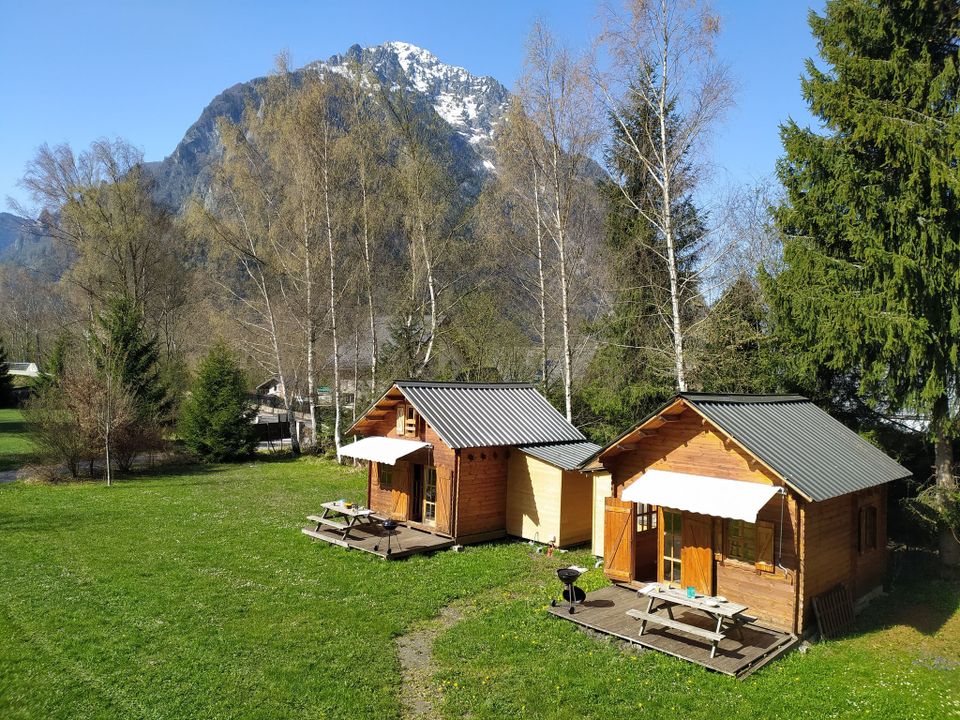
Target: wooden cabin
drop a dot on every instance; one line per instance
(763, 499)
(475, 461)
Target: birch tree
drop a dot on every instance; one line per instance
(518, 214)
(562, 134)
(240, 218)
(662, 65)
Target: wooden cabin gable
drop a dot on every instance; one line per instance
(688, 444)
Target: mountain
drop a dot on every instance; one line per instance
(23, 242)
(468, 106)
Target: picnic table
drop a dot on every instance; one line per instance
(338, 516)
(728, 615)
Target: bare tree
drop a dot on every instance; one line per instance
(100, 205)
(240, 216)
(662, 65)
(560, 135)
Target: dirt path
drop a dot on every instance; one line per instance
(415, 650)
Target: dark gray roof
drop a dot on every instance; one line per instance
(816, 454)
(566, 456)
(488, 414)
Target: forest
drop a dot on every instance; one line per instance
(339, 242)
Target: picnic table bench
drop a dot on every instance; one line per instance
(733, 614)
(338, 516)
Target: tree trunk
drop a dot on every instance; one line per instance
(946, 487)
(333, 296)
(561, 241)
(543, 281)
(311, 333)
(666, 164)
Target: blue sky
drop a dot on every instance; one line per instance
(76, 71)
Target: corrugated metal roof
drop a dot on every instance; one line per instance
(488, 414)
(567, 456)
(818, 455)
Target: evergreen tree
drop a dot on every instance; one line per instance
(215, 421)
(871, 285)
(6, 381)
(123, 346)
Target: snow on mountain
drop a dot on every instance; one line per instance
(472, 105)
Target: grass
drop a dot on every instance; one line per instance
(16, 448)
(193, 594)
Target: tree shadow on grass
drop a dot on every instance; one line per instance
(918, 598)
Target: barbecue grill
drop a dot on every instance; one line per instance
(571, 593)
(390, 528)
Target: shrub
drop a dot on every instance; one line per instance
(215, 420)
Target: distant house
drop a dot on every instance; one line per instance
(475, 461)
(24, 369)
(763, 499)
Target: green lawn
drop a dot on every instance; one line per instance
(15, 446)
(195, 595)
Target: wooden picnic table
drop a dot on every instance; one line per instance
(338, 516)
(723, 612)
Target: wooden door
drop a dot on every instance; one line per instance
(444, 494)
(400, 494)
(696, 554)
(619, 529)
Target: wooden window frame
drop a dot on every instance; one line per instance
(740, 541)
(672, 526)
(401, 419)
(868, 539)
(646, 517)
(746, 557)
(429, 471)
(385, 476)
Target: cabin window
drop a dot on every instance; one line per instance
(867, 529)
(430, 496)
(750, 543)
(741, 540)
(407, 418)
(386, 476)
(646, 517)
(672, 532)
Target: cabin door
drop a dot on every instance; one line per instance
(697, 553)
(619, 529)
(416, 494)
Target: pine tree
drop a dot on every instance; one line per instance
(6, 381)
(871, 285)
(215, 422)
(122, 345)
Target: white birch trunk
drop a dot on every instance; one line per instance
(668, 233)
(333, 293)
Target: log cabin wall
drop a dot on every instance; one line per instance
(688, 445)
(576, 508)
(831, 547)
(534, 490)
(395, 502)
(481, 494)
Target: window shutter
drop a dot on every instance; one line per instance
(401, 418)
(765, 546)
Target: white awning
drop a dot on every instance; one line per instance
(721, 497)
(382, 449)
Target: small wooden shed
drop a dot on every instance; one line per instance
(764, 499)
(475, 461)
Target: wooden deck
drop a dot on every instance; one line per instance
(606, 611)
(372, 538)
